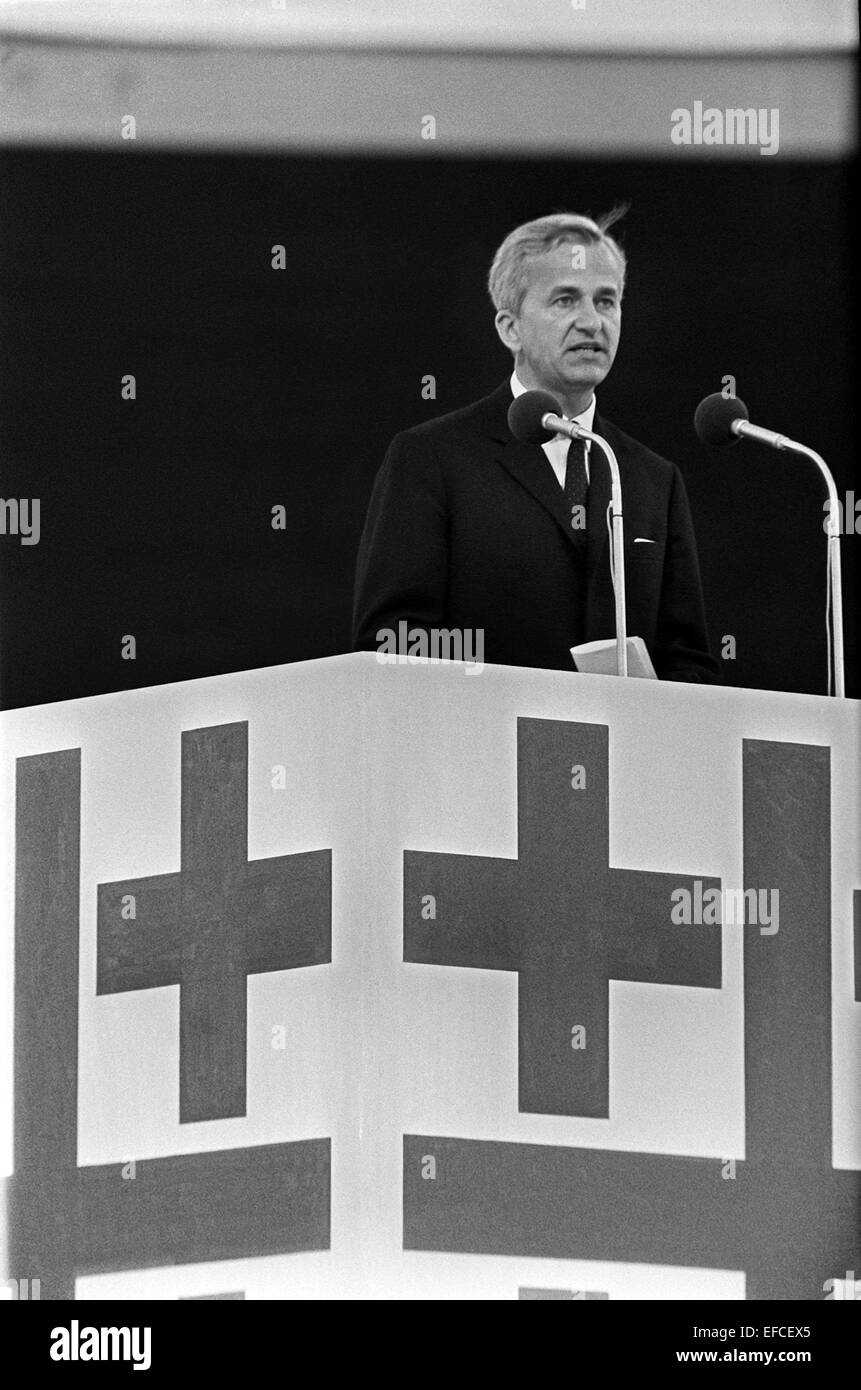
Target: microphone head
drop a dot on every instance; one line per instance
(714, 418)
(525, 414)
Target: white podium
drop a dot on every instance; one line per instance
(349, 980)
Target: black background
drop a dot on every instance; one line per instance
(257, 387)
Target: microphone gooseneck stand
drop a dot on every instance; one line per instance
(617, 535)
(834, 575)
(617, 551)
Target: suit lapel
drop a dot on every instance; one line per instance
(528, 464)
(531, 467)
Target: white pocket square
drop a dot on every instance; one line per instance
(643, 540)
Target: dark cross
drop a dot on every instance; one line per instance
(65, 1220)
(560, 917)
(215, 922)
(788, 1218)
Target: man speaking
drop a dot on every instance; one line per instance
(469, 529)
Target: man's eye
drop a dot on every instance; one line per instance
(607, 299)
(563, 299)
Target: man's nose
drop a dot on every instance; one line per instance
(587, 319)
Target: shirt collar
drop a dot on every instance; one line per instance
(585, 418)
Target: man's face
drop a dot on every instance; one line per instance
(567, 332)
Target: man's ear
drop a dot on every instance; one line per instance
(506, 327)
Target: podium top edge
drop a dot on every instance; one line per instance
(445, 670)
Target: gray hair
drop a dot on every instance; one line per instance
(507, 281)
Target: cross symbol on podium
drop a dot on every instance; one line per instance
(218, 920)
(66, 1219)
(784, 1214)
(560, 917)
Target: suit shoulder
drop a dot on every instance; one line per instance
(466, 422)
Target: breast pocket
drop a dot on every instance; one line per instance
(644, 552)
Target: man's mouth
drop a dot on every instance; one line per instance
(586, 349)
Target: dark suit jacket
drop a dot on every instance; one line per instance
(467, 528)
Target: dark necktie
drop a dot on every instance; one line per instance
(576, 491)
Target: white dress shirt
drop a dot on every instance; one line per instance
(556, 448)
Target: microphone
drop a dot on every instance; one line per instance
(723, 420)
(534, 415)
